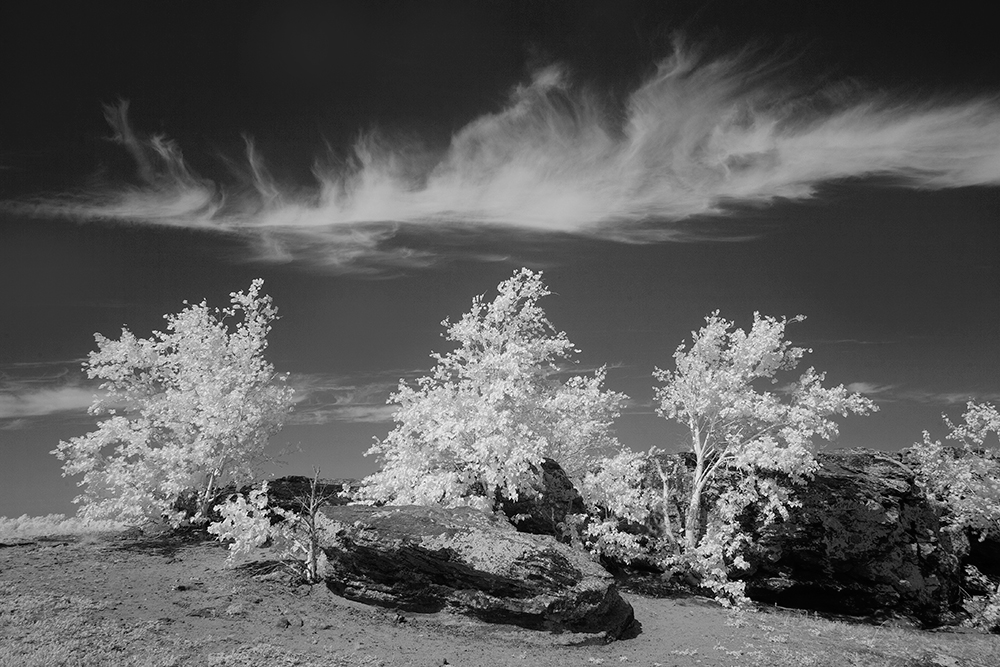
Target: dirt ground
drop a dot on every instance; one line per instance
(115, 600)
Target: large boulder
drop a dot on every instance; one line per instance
(544, 510)
(429, 559)
(865, 540)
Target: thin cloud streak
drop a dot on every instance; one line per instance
(895, 393)
(870, 388)
(697, 138)
(40, 402)
(366, 414)
(324, 398)
(319, 398)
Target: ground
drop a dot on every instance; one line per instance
(119, 599)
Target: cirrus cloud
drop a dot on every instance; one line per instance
(696, 138)
(39, 402)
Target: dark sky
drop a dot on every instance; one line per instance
(658, 160)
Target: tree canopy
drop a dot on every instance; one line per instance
(480, 425)
(748, 441)
(188, 410)
(964, 477)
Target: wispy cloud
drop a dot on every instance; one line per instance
(845, 341)
(947, 397)
(34, 389)
(319, 398)
(38, 402)
(14, 424)
(316, 415)
(62, 366)
(323, 398)
(890, 392)
(870, 388)
(697, 137)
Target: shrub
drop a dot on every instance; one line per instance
(297, 535)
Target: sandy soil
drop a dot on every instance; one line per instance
(107, 600)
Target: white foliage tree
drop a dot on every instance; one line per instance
(613, 493)
(632, 498)
(965, 477)
(188, 411)
(493, 409)
(748, 442)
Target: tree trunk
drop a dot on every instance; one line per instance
(206, 498)
(668, 528)
(693, 528)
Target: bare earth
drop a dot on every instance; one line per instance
(114, 600)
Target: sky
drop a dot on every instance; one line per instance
(379, 164)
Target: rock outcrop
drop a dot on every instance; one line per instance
(544, 512)
(865, 540)
(429, 559)
(287, 492)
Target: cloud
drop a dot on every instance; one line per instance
(696, 138)
(869, 388)
(369, 414)
(889, 392)
(38, 402)
(847, 341)
(63, 366)
(946, 397)
(42, 388)
(319, 398)
(324, 398)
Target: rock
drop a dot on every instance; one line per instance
(428, 559)
(237, 609)
(864, 541)
(284, 492)
(543, 512)
(288, 620)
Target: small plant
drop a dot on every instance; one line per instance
(297, 535)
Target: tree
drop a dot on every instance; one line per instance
(747, 443)
(189, 411)
(964, 478)
(479, 426)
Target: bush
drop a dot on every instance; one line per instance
(296, 535)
